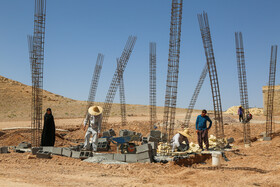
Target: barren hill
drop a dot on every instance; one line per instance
(15, 104)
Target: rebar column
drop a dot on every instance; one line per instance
(94, 81)
(209, 53)
(173, 67)
(153, 67)
(243, 86)
(36, 56)
(270, 91)
(122, 95)
(116, 79)
(195, 95)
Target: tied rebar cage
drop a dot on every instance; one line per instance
(153, 67)
(241, 68)
(94, 81)
(122, 94)
(209, 53)
(173, 67)
(195, 96)
(116, 79)
(270, 91)
(36, 56)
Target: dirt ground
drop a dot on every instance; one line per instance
(258, 165)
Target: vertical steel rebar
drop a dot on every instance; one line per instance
(173, 67)
(270, 91)
(153, 67)
(36, 56)
(209, 53)
(122, 94)
(243, 86)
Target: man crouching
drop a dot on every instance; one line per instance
(93, 120)
(179, 138)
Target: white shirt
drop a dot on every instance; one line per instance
(177, 140)
(94, 122)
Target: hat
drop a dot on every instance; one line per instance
(185, 133)
(95, 110)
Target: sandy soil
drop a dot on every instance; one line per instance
(258, 165)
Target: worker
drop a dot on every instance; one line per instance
(240, 113)
(93, 120)
(202, 129)
(48, 134)
(179, 138)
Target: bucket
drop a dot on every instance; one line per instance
(216, 158)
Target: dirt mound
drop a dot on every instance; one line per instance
(254, 111)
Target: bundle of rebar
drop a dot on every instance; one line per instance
(270, 91)
(153, 67)
(123, 60)
(173, 67)
(241, 68)
(209, 53)
(36, 56)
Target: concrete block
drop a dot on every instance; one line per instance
(57, 150)
(109, 133)
(155, 134)
(85, 154)
(75, 154)
(125, 132)
(143, 148)
(131, 158)
(144, 140)
(47, 149)
(145, 161)
(24, 145)
(4, 150)
(108, 156)
(144, 155)
(266, 138)
(120, 157)
(43, 154)
(34, 150)
(66, 152)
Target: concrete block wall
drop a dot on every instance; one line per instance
(276, 104)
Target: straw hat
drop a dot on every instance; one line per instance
(95, 110)
(185, 133)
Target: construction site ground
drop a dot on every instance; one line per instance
(258, 165)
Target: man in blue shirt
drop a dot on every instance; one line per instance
(202, 129)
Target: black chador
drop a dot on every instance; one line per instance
(48, 134)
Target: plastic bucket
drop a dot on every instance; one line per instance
(216, 158)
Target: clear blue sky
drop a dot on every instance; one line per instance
(76, 31)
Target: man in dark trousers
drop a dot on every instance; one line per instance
(202, 129)
(240, 113)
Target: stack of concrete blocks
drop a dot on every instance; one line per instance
(4, 150)
(103, 144)
(144, 153)
(43, 154)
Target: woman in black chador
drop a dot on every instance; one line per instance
(48, 134)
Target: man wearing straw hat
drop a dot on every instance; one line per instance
(93, 119)
(179, 138)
